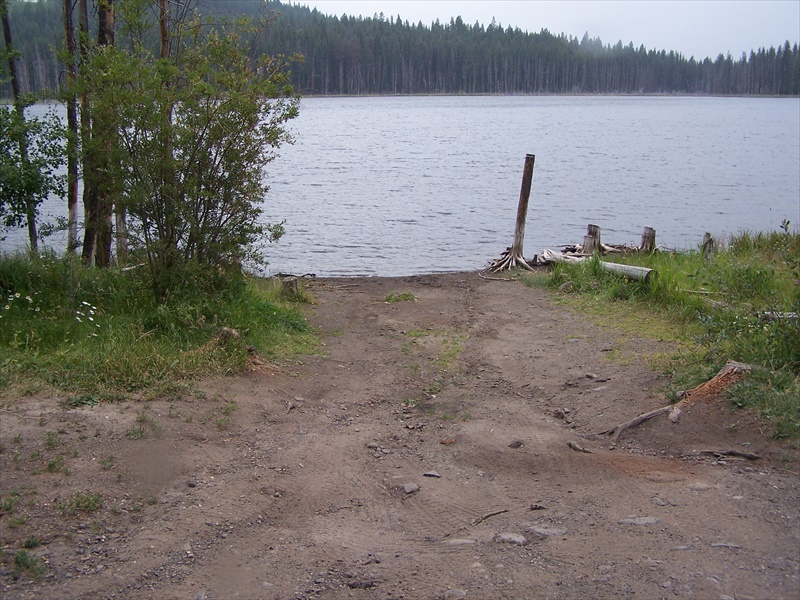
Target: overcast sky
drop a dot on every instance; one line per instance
(698, 28)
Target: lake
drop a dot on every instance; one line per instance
(407, 185)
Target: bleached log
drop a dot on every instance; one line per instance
(629, 271)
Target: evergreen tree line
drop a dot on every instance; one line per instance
(387, 55)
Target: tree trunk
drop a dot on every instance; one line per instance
(30, 204)
(105, 202)
(90, 196)
(72, 136)
(513, 257)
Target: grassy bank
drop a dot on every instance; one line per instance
(734, 305)
(98, 335)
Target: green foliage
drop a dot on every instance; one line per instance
(741, 299)
(99, 334)
(194, 134)
(31, 154)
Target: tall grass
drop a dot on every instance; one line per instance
(740, 301)
(99, 331)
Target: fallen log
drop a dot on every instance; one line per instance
(731, 373)
(630, 271)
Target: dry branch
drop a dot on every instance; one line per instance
(487, 515)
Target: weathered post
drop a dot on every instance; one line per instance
(512, 257)
(648, 240)
(591, 241)
(709, 246)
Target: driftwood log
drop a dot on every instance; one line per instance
(731, 373)
(629, 271)
(512, 257)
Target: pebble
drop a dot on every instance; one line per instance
(724, 545)
(511, 538)
(658, 501)
(410, 488)
(431, 474)
(545, 532)
(454, 593)
(640, 521)
(372, 446)
(699, 487)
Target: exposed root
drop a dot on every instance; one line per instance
(731, 373)
(510, 260)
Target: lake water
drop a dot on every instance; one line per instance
(407, 185)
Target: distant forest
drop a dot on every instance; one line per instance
(346, 55)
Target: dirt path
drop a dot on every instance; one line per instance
(424, 455)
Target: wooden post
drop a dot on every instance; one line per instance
(648, 240)
(708, 247)
(591, 241)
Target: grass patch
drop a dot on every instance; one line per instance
(726, 307)
(99, 336)
(25, 562)
(81, 502)
(400, 297)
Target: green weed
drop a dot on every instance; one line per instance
(26, 562)
(81, 502)
(400, 297)
(136, 433)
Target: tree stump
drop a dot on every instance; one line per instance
(591, 242)
(709, 246)
(648, 240)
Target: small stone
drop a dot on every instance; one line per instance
(431, 474)
(511, 538)
(455, 594)
(410, 488)
(725, 545)
(640, 521)
(699, 487)
(658, 501)
(516, 444)
(591, 376)
(544, 532)
(373, 446)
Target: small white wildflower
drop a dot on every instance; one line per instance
(7, 307)
(85, 303)
(29, 299)
(78, 319)
(91, 319)
(37, 309)
(16, 295)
